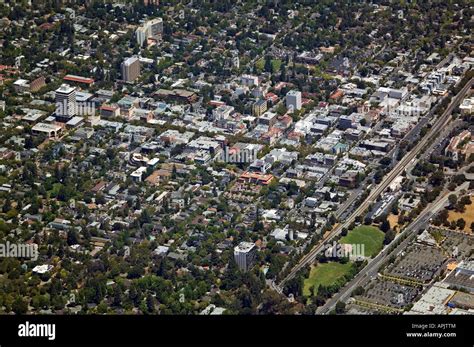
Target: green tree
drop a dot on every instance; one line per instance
(385, 225)
(7, 205)
(340, 307)
(389, 236)
(461, 223)
(20, 306)
(452, 199)
(150, 303)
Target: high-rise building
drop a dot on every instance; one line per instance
(65, 102)
(141, 35)
(236, 62)
(150, 29)
(130, 69)
(244, 255)
(293, 100)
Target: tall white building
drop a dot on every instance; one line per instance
(244, 255)
(130, 69)
(293, 100)
(65, 101)
(236, 62)
(150, 29)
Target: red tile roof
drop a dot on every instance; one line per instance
(78, 79)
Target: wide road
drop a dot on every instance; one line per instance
(439, 124)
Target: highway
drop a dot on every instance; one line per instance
(438, 125)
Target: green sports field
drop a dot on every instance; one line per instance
(325, 274)
(371, 237)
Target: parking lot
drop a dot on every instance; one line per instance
(387, 293)
(419, 263)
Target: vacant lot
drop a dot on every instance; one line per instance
(393, 220)
(325, 274)
(371, 237)
(467, 215)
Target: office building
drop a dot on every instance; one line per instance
(244, 255)
(130, 69)
(293, 100)
(150, 29)
(249, 81)
(268, 118)
(21, 86)
(65, 102)
(50, 130)
(259, 107)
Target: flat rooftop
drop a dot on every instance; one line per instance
(46, 127)
(65, 89)
(244, 246)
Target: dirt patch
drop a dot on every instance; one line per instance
(393, 220)
(467, 215)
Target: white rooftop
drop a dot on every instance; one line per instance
(65, 89)
(41, 269)
(244, 246)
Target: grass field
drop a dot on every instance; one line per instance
(325, 274)
(370, 236)
(275, 62)
(467, 215)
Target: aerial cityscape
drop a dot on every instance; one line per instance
(262, 157)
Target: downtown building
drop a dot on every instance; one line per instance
(293, 100)
(244, 255)
(130, 69)
(150, 29)
(65, 102)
